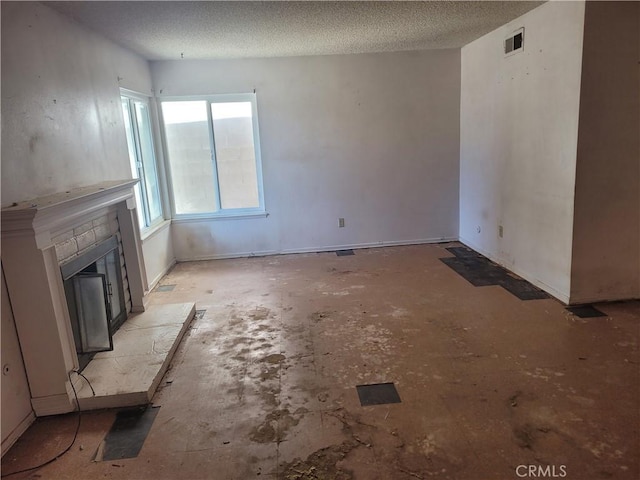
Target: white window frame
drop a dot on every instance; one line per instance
(150, 225)
(219, 213)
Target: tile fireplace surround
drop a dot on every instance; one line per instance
(36, 237)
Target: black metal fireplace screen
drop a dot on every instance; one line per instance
(94, 290)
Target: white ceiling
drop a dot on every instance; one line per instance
(162, 30)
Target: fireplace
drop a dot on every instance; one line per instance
(93, 286)
(64, 256)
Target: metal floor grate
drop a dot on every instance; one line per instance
(378, 394)
(165, 288)
(128, 433)
(586, 311)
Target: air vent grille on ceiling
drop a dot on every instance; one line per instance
(514, 43)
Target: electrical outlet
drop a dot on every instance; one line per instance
(341, 222)
(500, 231)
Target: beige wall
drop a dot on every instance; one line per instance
(371, 138)
(17, 414)
(157, 249)
(606, 229)
(62, 124)
(518, 137)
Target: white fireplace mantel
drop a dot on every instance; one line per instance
(35, 284)
(51, 214)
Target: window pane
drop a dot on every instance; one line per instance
(189, 152)
(235, 154)
(148, 161)
(133, 158)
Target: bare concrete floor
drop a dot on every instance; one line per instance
(263, 384)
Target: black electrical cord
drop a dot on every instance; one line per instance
(88, 383)
(75, 435)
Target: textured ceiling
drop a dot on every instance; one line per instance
(197, 30)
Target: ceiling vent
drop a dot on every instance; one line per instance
(514, 43)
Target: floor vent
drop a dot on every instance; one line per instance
(127, 434)
(586, 311)
(377, 394)
(514, 43)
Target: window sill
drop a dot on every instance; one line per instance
(154, 229)
(218, 216)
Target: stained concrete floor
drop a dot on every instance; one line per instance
(263, 384)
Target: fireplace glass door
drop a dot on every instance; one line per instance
(109, 265)
(91, 296)
(93, 285)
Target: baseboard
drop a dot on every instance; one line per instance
(53, 404)
(225, 256)
(158, 277)
(563, 297)
(588, 300)
(356, 246)
(329, 248)
(15, 434)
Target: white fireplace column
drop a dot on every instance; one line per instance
(36, 288)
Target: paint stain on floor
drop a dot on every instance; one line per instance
(263, 383)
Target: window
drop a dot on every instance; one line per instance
(212, 146)
(137, 123)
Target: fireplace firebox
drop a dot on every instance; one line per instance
(93, 288)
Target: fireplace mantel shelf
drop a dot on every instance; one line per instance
(53, 212)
